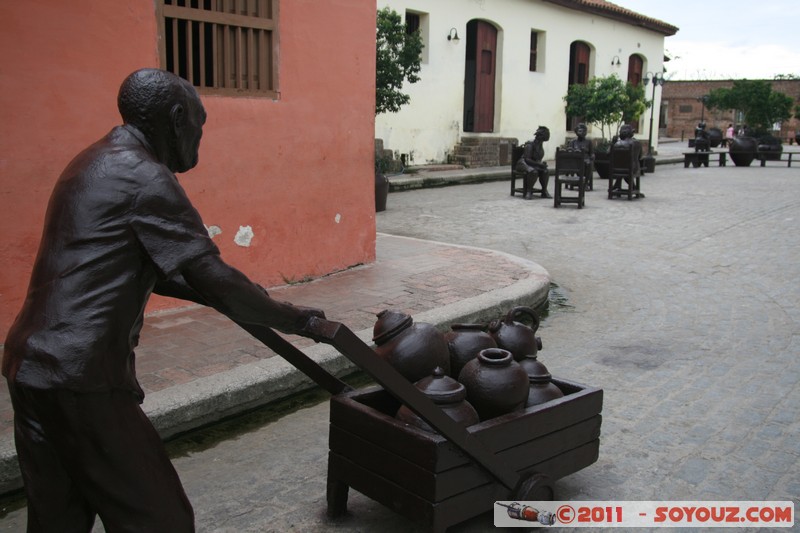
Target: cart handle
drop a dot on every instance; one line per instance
(297, 358)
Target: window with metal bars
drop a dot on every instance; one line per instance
(221, 46)
(534, 51)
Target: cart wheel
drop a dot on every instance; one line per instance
(536, 487)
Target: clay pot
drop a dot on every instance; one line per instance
(446, 393)
(602, 164)
(743, 150)
(495, 383)
(464, 342)
(412, 349)
(542, 388)
(715, 137)
(517, 338)
(769, 148)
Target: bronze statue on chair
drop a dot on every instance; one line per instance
(584, 145)
(626, 139)
(532, 166)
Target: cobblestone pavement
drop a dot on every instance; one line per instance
(683, 306)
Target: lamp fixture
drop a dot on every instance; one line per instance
(453, 35)
(658, 79)
(615, 61)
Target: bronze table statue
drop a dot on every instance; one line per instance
(531, 164)
(118, 227)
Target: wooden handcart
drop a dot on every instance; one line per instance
(443, 478)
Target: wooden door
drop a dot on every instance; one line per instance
(479, 77)
(579, 54)
(635, 67)
(484, 82)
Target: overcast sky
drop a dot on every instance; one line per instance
(727, 39)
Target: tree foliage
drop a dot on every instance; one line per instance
(762, 107)
(397, 61)
(606, 102)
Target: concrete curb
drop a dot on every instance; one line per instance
(444, 178)
(207, 400)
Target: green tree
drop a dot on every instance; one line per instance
(637, 103)
(397, 61)
(762, 107)
(606, 102)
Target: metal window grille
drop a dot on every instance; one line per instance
(534, 51)
(221, 46)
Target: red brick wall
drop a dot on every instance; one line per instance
(684, 111)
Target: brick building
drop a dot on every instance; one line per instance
(682, 108)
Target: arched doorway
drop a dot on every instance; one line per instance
(635, 70)
(479, 77)
(579, 56)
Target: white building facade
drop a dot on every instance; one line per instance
(509, 69)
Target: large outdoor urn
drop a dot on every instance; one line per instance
(413, 349)
(743, 150)
(448, 394)
(465, 341)
(495, 383)
(769, 148)
(514, 336)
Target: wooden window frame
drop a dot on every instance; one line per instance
(222, 47)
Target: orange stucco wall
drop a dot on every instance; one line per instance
(297, 170)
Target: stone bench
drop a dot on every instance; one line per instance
(784, 156)
(702, 158)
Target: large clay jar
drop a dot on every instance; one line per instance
(464, 342)
(542, 388)
(743, 150)
(412, 349)
(495, 383)
(714, 137)
(769, 148)
(446, 393)
(516, 337)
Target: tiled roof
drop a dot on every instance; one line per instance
(607, 9)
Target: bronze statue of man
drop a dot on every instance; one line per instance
(580, 142)
(702, 143)
(118, 227)
(532, 165)
(626, 139)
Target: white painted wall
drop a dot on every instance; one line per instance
(431, 124)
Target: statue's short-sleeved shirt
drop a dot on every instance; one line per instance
(117, 221)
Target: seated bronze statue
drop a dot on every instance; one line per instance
(584, 145)
(531, 165)
(702, 143)
(626, 139)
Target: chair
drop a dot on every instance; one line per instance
(516, 154)
(625, 169)
(570, 173)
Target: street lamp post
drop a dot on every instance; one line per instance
(703, 99)
(657, 79)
